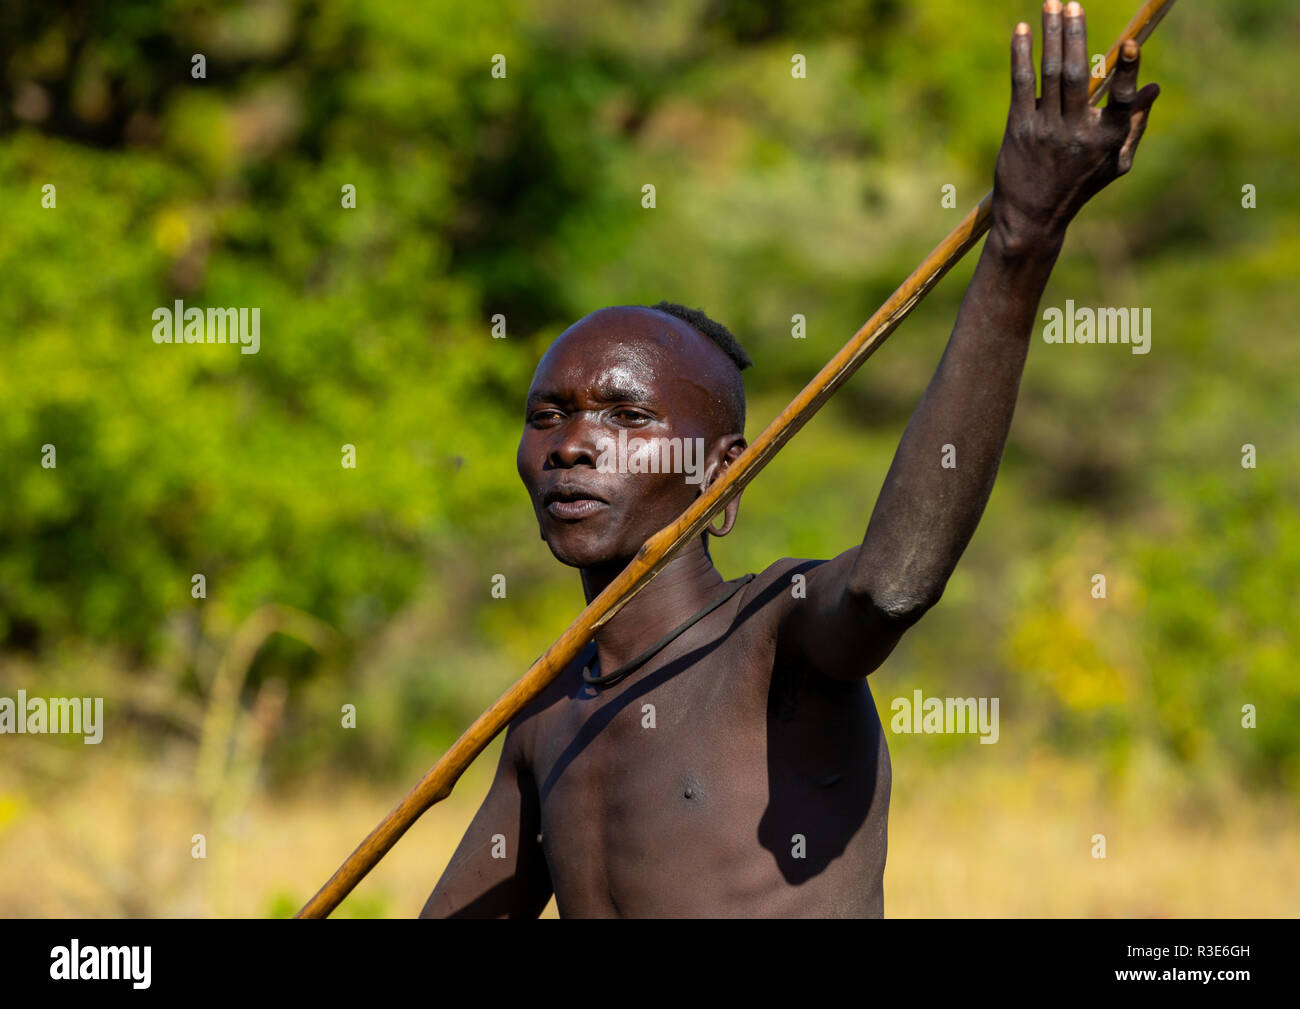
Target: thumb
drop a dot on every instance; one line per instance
(1137, 124)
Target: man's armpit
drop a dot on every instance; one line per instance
(839, 636)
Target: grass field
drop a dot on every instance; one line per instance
(995, 839)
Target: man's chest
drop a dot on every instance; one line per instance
(696, 709)
(627, 774)
(695, 782)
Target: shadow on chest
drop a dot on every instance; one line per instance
(671, 715)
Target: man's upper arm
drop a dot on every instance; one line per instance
(842, 634)
(498, 870)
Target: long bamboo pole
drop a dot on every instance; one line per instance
(657, 551)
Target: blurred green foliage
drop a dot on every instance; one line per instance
(521, 196)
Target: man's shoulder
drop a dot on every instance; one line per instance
(782, 588)
(788, 579)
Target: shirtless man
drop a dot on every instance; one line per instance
(741, 770)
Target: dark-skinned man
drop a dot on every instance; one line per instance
(716, 751)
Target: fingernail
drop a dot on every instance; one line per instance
(1052, 6)
(1129, 50)
(1022, 29)
(1073, 9)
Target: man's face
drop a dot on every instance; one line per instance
(634, 370)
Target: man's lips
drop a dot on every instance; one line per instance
(571, 503)
(578, 509)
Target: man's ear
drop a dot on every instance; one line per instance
(726, 451)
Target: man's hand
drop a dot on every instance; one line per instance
(1058, 150)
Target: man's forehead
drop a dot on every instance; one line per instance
(619, 348)
(611, 381)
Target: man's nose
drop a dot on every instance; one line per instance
(576, 442)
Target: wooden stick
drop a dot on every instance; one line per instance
(437, 784)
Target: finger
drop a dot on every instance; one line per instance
(1074, 63)
(1022, 72)
(1141, 111)
(1123, 86)
(1051, 103)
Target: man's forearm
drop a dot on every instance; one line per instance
(946, 462)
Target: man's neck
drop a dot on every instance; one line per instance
(685, 586)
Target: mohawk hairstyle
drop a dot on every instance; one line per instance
(715, 331)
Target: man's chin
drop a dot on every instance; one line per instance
(577, 551)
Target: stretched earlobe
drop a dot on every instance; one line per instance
(729, 511)
(729, 514)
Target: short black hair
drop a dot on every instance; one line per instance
(715, 331)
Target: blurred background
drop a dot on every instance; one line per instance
(522, 196)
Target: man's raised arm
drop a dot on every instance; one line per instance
(1057, 152)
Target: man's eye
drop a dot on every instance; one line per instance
(543, 416)
(630, 416)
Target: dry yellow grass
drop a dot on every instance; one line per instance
(1006, 840)
(985, 838)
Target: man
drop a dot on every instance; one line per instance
(716, 751)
